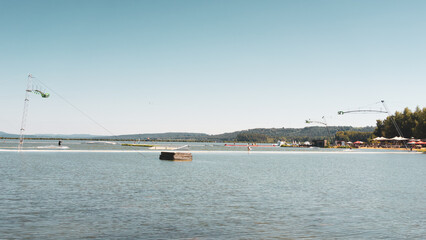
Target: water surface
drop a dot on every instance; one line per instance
(219, 195)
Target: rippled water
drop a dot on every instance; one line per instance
(219, 195)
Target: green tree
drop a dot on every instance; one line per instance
(253, 137)
(420, 123)
(411, 124)
(380, 129)
(353, 136)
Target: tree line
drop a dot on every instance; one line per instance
(353, 136)
(412, 124)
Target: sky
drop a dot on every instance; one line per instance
(125, 67)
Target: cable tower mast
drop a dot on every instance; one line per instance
(25, 113)
(30, 89)
(323, 123)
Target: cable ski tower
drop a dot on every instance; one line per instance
(324, 122)
(378, 111)
(30, 89)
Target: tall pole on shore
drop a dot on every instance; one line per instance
(25, 113)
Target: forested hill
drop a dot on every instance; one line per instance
(269, 134)
(306, 133)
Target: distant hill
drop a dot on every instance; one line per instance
(162, 136)
(307, 133)
(8, 135)
(68, 136)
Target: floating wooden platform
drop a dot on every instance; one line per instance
(176, 156)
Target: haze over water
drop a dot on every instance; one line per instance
(219, 195)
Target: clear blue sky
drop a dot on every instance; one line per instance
(208, 66)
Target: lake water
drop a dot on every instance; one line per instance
(221, 194)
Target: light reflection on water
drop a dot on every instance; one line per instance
(57, 195)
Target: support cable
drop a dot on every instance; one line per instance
(85, 114)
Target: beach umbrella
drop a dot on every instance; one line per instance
(358, 142)
(398, 138)
(380, 139)
(412, 142)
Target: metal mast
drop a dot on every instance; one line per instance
(25, 113)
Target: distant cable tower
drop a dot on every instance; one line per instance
(30, 89)
(323, 123)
